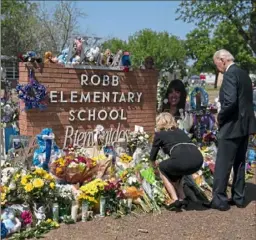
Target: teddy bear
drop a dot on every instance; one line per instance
(63, 57)
(48, 58)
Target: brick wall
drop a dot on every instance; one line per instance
(59, 78)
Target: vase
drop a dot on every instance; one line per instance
(74, 211)
(85, 208)
(129, 204)
(39, 212)
(103, 201)
(55, 212)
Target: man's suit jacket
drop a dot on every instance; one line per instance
(236, 117)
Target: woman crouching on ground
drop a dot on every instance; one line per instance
(184, 157)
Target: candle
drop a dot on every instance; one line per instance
(74, 211)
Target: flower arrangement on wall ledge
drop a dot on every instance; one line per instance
(32, 94)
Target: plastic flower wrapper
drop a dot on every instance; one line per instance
(73, 168)
(65, 192)
(138, 139)
(37, 185)
(91, 191)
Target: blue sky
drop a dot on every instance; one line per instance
(123, 18)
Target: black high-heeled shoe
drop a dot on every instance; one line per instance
(184, 203)
(176, 205)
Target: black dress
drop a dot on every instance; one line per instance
(185, 158)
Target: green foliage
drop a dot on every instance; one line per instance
(240, 13)
(164, 48)
(27, 26)
(200, 48)
(114, 45)
(18, 20)
(226, 36)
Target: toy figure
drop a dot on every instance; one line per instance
(126, 62)
(39, 213)
(63, 57)
(47, 151)
(48, 58)
(117, 59)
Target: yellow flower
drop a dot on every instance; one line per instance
(49, 220)
(47, 176)
(28, 187)
(3, 198)
(52, 185)
(38, 183)
(24, 180)
(17, 176)
(40, 172)
(55, 224)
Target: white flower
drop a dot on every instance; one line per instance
(146, 136)
(12, 185)
(132, 180)
(4, 180)
(72, 165)
(141, 138)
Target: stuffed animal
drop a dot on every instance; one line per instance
(117, 59)
(11, 222)
(126, 62)
(93, 54)
(47, 151)
(78, 45)
(30, 56)
(75, 60)
(48, 58)
(63, 57)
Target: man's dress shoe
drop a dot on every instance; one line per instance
(213, 206)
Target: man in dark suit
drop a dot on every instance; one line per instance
(236, 122)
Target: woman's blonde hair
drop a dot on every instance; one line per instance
(165, 121)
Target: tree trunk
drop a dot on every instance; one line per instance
(252, 27)
(216, 79)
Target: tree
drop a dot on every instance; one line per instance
(115, 44)
(166, 50)
(200, 48)
(240, 13)
(59, 27)
(17, 27)
(226, 36)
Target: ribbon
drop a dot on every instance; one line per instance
(48, 148)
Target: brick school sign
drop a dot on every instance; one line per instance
(80, 99)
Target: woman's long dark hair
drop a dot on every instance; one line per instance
(178, 86)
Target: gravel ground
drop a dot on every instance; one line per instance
(195, 223)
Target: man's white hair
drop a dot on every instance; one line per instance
(223, 53)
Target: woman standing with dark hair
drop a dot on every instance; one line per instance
(175, 98)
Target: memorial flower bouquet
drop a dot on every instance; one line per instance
(36, 186)
(138, 139)
(74, 167)
(113, 193)
(91, 191)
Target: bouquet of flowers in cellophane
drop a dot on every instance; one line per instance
(91, 191)
(74, 167)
